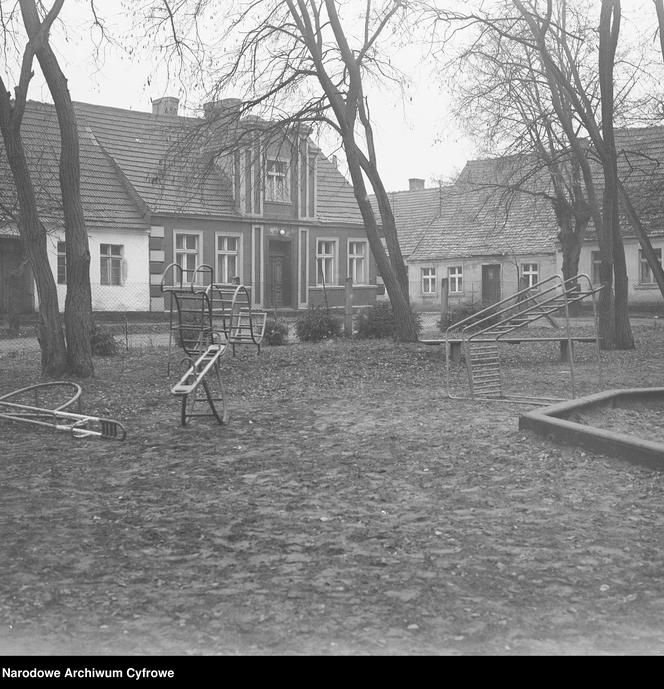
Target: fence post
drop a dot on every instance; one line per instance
(444, 297)
(348, 308)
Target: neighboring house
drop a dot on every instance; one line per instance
(486, 240)
(470, 237)
(284, 221)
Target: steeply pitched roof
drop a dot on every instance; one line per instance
(148, 149)
(106, 202)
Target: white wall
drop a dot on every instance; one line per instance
(472, 277)
(647, 294)
(134, 293)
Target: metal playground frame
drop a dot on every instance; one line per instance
(479, 336)
(14, 407)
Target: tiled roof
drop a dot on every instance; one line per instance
(106, 203)
(480, 216)
(148, 150)
(336, 200)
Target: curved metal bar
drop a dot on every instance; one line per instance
(63, 383)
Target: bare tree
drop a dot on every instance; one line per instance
(301, 66)
(77, 357)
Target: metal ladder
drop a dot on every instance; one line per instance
(482, 332)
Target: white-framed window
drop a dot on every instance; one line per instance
(530, 273)
(228, 257)
(277, 183)
(62, 263)
(455, 277)
(645, 273)
(358, 252)
(326, 259)
(595, 262)
(187, 252)
(428, 280)
(110, 264)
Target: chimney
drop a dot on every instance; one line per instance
(415, 184)
(225, 108)
(168, 105)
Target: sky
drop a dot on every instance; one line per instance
(414, 132)
(416, 135)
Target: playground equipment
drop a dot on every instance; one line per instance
(230, 306)
(204, 348)
(44, 404)
(232, 314)
(173, 282)
(480, 335)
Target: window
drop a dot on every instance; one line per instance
(428, 280)
(110, 264)
(326, 251)
(357, 262)
(62, 263)
(530, 273)
(455, 275)
(645, 273)
(595, 262)
(277, 188)
(228, 258)
(187, 253)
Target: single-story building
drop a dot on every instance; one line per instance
(487, 239)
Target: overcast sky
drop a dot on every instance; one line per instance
(416, 136)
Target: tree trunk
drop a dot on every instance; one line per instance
(405, 329)
(78, 303)
(33, 236)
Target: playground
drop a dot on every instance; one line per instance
(348, 506)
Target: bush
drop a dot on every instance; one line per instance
(276, 331)
(463, 311)
(102, 341)
(316, 325)
(378, 321)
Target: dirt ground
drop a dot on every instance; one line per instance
(349, 507)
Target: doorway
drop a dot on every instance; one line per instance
(491, 283)
(278, 274)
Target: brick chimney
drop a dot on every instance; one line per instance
(225, 108)
(415, 184)
(168, 105)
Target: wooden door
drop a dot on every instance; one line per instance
(279, 275)
(491, 283)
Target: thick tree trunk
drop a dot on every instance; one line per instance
(33, 236)
(405, 329)
(78, 303)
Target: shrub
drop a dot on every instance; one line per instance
(378, 321)
(316, 325)
(276, 331)
(463, 311)
(102, 341)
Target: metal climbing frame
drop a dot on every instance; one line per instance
(29, 406)
(173, 281)
(482, 333)
(204, 348)
(233, 315)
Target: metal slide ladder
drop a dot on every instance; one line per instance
(482, 332)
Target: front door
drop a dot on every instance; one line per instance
(15, 278)
(491, 283)
(278, 275)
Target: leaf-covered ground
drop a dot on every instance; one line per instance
(349, 507)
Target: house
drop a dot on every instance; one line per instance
(487, 240)
(277, 214)
(481, 243)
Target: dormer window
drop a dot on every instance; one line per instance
(277, 183)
